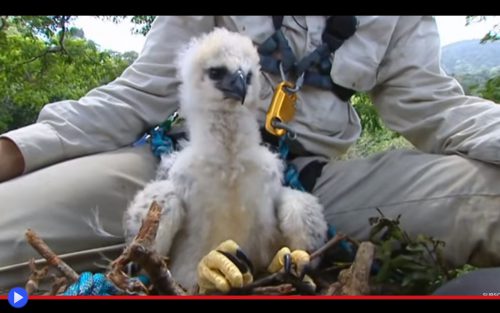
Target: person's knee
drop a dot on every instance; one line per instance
(451, 198)
(60, 201)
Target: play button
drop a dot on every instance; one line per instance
(18, 297)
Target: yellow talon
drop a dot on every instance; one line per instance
(299, 259)
(209, 279)
(218, 271)
(278, 261)
(228, 246)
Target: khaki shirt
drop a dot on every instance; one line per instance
(395, 58)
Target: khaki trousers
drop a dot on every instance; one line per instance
(449, 197)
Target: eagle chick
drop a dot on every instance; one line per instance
(224, 184)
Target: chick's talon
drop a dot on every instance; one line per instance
(289, 261)
(224, 268)
(293, 262)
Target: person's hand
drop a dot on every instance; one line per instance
(11, 160)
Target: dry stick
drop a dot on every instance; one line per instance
(331, 243)
(157, 270)
(35, 277)
(264, 281)
(52, 259)
(271, 280)
(58, 286)
(274, 290)
(141, 251)
(355, 280)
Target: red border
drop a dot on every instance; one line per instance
(260, 297)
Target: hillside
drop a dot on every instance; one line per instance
(470, 56)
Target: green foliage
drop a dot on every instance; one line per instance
(408, 266)
(368, 114)
(142, 22)
(491, 90)
(375, 136)
(44, 27)
(39, 69)
(476, 67)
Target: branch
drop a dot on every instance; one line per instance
(60, 48)
(142, 252)
(278, 278)
(283, 289)
(35, 277)
(62, 23)
(52, 259)
(59, 285)
(331, 243)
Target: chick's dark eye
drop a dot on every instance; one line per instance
(249, 78)
(217, 73)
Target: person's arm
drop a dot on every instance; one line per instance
(11, 160)
(415, 98)
(113, 115)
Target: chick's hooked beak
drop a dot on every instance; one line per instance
(234, 86)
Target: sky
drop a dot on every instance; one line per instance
(118, 37)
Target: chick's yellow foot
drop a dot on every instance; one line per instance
(293, 262)
(224, 268)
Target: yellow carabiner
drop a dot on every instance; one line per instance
(282, 108)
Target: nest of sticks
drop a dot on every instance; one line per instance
(353, 279)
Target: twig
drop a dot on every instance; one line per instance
(142, 252)
(331, 243)
(157, 270)
(58, 286)
(35, 277)
(282, 289)
(52, 259)
(263, 282)
(62, 23)
(278, 278)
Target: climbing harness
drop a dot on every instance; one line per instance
(314, 69)
(316, 66)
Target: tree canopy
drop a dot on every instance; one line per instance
(43, 61)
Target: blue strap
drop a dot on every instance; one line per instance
(157, 136)
(89, 284)
(160, 142)
(291, 174)
(291, 179)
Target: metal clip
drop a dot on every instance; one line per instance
(282, 108)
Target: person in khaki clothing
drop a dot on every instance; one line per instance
(78, 156)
